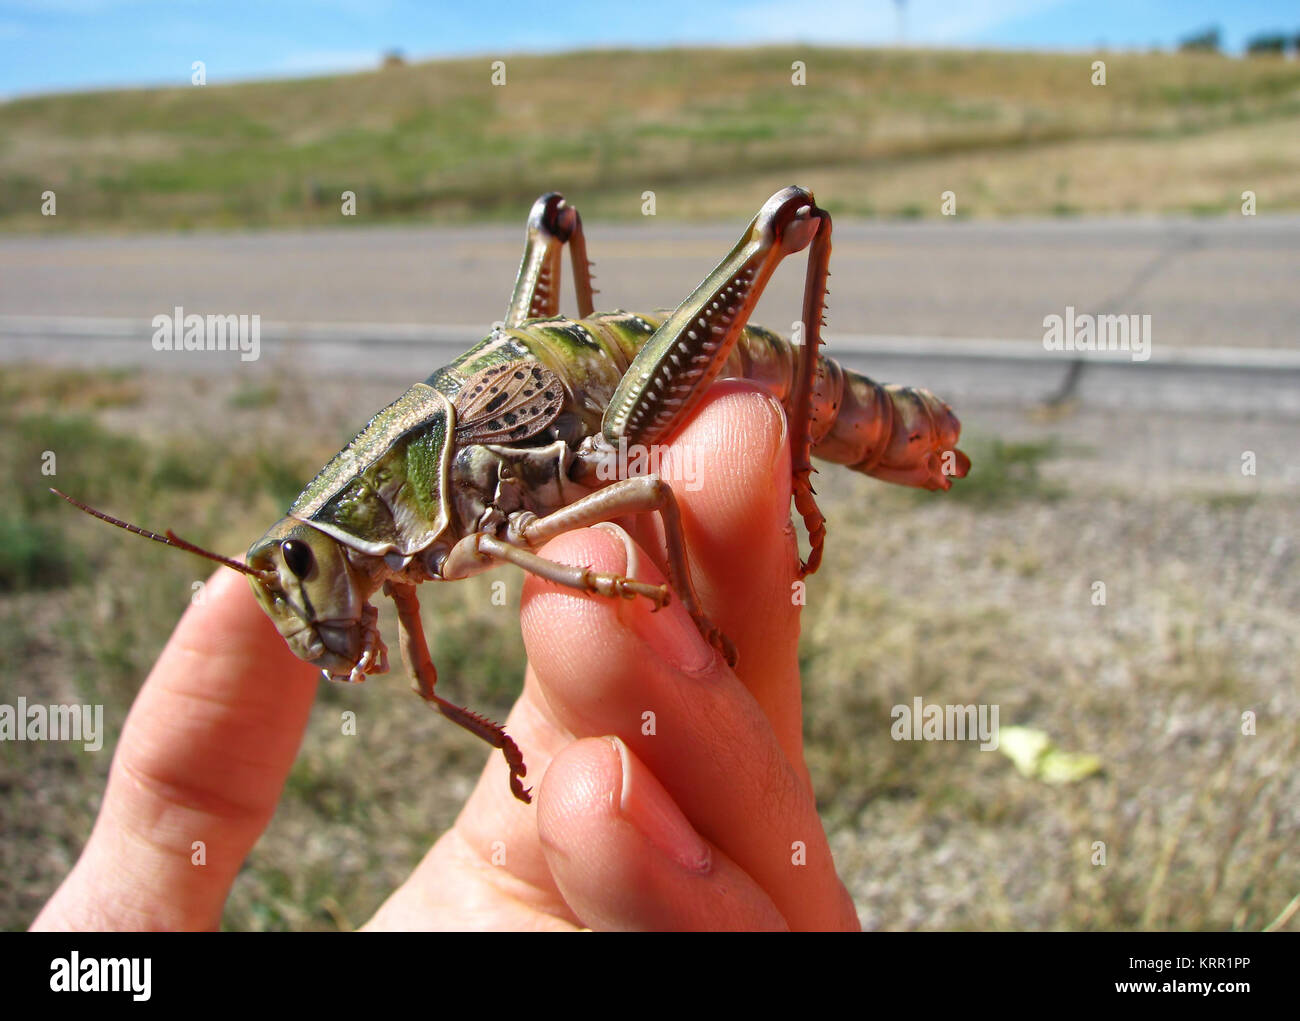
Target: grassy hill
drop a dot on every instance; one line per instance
(711, 132)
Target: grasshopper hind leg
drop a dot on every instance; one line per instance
(687, 352)
(552, 224)
(801, 441)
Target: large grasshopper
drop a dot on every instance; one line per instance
(518, 440)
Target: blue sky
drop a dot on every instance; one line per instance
(57, 45)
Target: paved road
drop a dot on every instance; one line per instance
(1205, 283)
(954, 307)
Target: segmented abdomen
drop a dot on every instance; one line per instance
(897, 433)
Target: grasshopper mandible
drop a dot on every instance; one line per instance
(517, 441)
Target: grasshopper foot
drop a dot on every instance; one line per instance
(493, 733)
(714, 636)
(515, 760)
(618, 586)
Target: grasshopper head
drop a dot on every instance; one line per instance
(318, 600)
(314, 593)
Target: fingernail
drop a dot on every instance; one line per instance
(647, 806)
(778, 459)
(670, 632)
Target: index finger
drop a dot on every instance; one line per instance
(198, 770)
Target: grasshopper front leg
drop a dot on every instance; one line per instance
(685, 355)
(467, 559)
(415, 654)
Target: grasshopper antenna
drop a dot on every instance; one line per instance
(170, 539)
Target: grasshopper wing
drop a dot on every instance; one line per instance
(508, 402)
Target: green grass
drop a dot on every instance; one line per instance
(707, 130)
(1005, 472)
(251, 396)
(34, 555)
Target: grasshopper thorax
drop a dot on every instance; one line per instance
(380, 503)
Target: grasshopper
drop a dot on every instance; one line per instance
(517, 441)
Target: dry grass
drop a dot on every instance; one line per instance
(981, 598)
(712, 132)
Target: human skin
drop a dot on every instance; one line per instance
(709, 822)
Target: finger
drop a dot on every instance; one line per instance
(614, 667)
(735, 448)
(199, 768)
(729, 468)
(489, 870)
(626, 858)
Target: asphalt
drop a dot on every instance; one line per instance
(957, 306)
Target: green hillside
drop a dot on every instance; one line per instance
(711, 132)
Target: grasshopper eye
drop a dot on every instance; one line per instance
(298, 556)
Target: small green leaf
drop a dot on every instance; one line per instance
(1039, 759)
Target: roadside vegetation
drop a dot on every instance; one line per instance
(982, 598)
(881, 133)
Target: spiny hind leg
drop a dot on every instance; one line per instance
(641, 495)
(801, 441)
(415, 653)
(685, 355)
(552, 224)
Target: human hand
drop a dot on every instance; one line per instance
(708, 823)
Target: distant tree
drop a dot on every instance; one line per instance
(1207, 40)
(1267, 43)
(394, 58)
